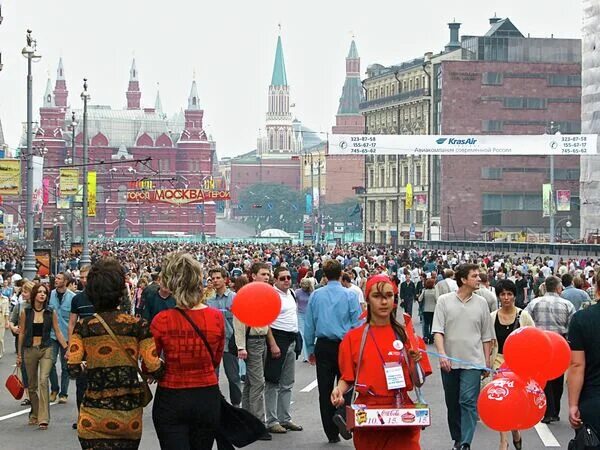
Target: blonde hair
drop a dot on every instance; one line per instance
(27, 286)
(182, 275)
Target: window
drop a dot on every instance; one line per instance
(492, 78)
(371, 180)
(372, 237)
(418, 175)
(406, 214)
(395, 211)
(404, 175)
(383, 211)
(524, 103)
(417, 83)
(491, 173)
(382, 177)
(163, 165)
(556, 79)
(492, 125)
(420, 217)
(372, 211)
(410, 85)
(382, 237)
(393, 177)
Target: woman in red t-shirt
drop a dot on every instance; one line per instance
(187, 405)
(384, 343)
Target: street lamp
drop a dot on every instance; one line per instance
(70, 160)
(85, 253)
(29, 52)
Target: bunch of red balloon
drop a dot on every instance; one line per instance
(256, 304)
(515, 399)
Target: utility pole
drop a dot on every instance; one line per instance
(85, 254)
(29, 52)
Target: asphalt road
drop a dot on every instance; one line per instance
(15, 434)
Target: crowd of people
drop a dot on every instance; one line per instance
(348, 310)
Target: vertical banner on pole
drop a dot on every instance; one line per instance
(91, 193)
(38, 188)
(547, 200)
(563, 200)
(409, 196)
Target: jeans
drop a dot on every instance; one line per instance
(408, 306)
(63, 390)
(301, 316)
(37, 358)
(328, 372)
(461, 389)
(232, 372)
(186, 419)
(554, 390)
(278, 396)
(254, 387)
(427, 323)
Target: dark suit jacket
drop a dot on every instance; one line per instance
(408, 291)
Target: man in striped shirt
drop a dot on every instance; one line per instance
(552, 313)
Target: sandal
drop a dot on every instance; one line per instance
(43, 426)
(26, 402)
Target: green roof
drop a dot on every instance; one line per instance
(279, 77)
(353, 53)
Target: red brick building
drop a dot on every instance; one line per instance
(127, 145)
(505, 83)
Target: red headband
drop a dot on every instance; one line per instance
(381, 278)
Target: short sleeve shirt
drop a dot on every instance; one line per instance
(82, 306)
(584, 336)
(465, 326)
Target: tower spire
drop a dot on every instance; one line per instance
(60, 72)
(60, 87)
(157, 102)
(133, 93)
(348, 119)
(48, 103)
(279, 77)
(194, 98)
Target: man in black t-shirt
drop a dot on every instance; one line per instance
(521, 284)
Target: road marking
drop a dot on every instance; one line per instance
(546, 435)
(310, 387)
(20, 413)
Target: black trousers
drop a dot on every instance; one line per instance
(554, 390)
(81, 385)
(328, 372)
(186, 419)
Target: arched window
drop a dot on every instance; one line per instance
(281, 140)
(122, 194)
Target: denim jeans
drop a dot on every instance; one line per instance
(301, 331)
(63, 389)
(232, 372)
(461, 389)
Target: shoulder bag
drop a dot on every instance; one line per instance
(236, 425)
(146, 393)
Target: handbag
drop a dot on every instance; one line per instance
(361, 416)
(585, 439)
(236, 425)
(146, 392)
(15, 385)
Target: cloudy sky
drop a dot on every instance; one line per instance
(230, 44)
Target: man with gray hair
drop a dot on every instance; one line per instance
(552, 313)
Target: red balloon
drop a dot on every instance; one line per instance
(527, 350)
(537, 405)
(559, 362)
(256, 304)
(501, 404)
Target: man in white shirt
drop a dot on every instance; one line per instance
(347, 283)
(280, 369)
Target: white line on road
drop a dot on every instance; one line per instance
(19, 413)
(546, 435)
(310, 387)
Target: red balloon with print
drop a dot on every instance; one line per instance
(502, 402)
(560, 359)
(527, 350)
(537, 405)
(257, 304)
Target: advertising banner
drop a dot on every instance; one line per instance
(38, 187)
(308, 208)
(504, 145)
(63, 203)
(43, 261)
(563, 200)
(69, 182)
(421, 202)
(91, 180)
(409, 196)
(177, 196)
(547, 203)
(10, 176)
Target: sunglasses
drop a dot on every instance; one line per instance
(285, 278)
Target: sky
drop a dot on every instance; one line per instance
(230, 46)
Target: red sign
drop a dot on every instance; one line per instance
(177, 196)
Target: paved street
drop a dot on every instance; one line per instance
(233, 229)
(16, 435)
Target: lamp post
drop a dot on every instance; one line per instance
(552, 199)
(29, 52)
(70, 160)
(85, 253)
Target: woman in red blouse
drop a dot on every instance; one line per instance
(384, 343)
(187, 408)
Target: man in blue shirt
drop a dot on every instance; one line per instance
(332, 311)
(571, 293)
(60, 301)
(222, 301)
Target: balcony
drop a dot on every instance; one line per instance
(394, 99)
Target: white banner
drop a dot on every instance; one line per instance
(503, 145)
(38, 187)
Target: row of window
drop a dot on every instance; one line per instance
(518, 202)
(393, 87)
(381, 206)
(497, 173)
(498, 125)
(389, 117)
(553, 79)
(389, 178)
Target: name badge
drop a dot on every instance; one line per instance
(394, 376)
